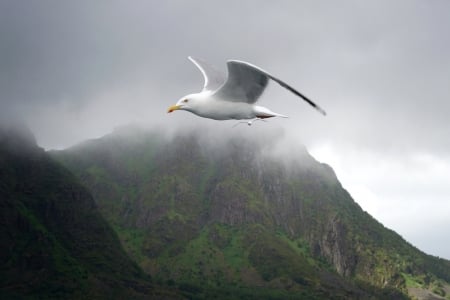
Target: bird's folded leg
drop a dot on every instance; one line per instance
(249, 122)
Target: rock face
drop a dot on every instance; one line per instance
(54, 243)
(334, 247)
(232, 214)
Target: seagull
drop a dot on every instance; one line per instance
(234, 97)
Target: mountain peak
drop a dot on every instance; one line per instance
(17, 137)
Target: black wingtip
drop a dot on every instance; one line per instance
(288, 87)
(317, 107)
(321, 110)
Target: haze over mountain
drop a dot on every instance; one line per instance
(74, 70)
(218, 215)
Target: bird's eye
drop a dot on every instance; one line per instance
(185, 100)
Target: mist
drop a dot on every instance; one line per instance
(76, 70)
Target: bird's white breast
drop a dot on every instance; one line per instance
(218, 109)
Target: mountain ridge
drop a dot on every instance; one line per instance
(173, 198)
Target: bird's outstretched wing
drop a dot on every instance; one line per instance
(213, 78)
(246, 83)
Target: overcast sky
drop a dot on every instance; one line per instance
(74, 70)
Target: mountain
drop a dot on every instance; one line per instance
(236, 217)
(54, 243)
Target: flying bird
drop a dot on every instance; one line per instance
(234, 97)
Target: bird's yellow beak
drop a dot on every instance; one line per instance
(173, 107)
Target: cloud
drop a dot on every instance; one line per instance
(407, 193)
(75, 70)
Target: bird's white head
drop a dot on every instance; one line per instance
(188, 102)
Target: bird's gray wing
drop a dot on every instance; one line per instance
(247, 82)
(213, 78)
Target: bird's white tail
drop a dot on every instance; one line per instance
(262, 113)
